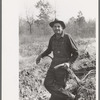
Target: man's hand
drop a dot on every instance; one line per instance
(38, 59)
(67, 65)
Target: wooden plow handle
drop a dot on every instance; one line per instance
(69, 70)
(73, 76)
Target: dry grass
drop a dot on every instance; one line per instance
(31, 76)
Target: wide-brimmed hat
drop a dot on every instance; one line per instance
(57, 21)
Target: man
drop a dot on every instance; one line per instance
(64, 51)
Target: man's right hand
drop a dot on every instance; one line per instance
(38, 59)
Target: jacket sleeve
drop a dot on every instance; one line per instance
(74, 50)
(48, 50)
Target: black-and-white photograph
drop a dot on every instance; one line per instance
(57, 49)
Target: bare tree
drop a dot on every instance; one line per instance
(30, 21)
(44, 16)
(45, 10)
(80, 19)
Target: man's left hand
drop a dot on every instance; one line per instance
(66, 64)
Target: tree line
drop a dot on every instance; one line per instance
(40, 26)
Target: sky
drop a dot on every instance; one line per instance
(65, 9)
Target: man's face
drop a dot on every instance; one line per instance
(57, 28)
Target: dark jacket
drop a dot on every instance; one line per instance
(64, 50)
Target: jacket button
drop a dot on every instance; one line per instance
(58, 51)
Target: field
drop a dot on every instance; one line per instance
(31, 76)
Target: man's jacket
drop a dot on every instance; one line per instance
(64, 50)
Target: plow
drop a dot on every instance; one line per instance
(81, 84)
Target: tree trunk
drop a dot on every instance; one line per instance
(30, 28)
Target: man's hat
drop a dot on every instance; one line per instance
(57, 21)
